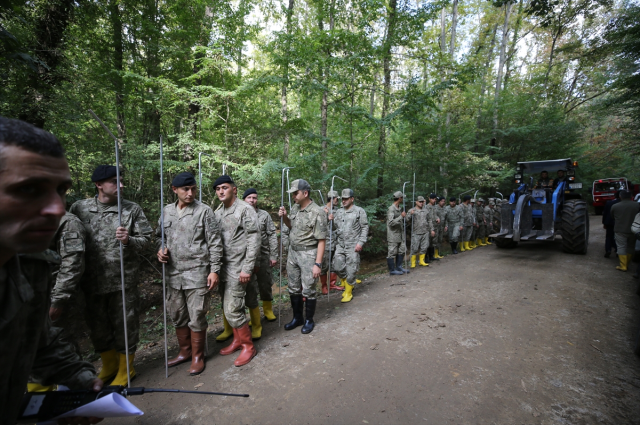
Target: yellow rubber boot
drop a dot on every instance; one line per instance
(413, 261)
(486, 241)
(32, 387)
(461, 247)
(347, 295)
(358, 281)
(110, 362)
(624, 261)
(472, 243)
(267, 307)
(227, 333)
(480, 242)
(121, 377)
(467, 246)
(343, 282)
(437, 253)
(422, 263)
(256, 329)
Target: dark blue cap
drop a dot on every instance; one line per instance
(103, 172)
(248, 192)
(183, 179)
(221, 180)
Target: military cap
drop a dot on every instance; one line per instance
(332, 194)
(433, 196)
(492, 201)
(103, 172)
(480, 200)
(397, 195)
(466, 197)
(299, 184)
(347, 193)
(221, 180)
(452, 199)
(473, 200)
(183, 179)
(420, 199)
(248, 192)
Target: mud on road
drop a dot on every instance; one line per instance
(523, 336)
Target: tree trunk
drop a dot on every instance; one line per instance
(386, 66)
(483, 86)
(454, 24)
(514, 42)
(503, 49)
(285, 84)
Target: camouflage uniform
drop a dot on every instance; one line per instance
(308, 226)
(101, 280)
(352, 228)
(29, 345)
(395, 239)
(329, 252)
(433, 217)
(241, 246)
(421, 227)
(468, 220)
(268, 253)
(497, 216)
(474, 229)
(454, 218)
(440, 213)
(69, 243)
(192, 236)
(488, 219)
(482, 228)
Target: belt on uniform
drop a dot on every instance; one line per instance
(303, 247)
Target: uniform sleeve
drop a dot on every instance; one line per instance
(254, 241)
(213, 235)
(273, 240)
(71, 246)
(140, 235)
(391, 221)
(333, 225)
(635, 227)
(364, 225)
(320, 226)
(56, 362)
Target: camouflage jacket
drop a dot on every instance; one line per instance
(240, 238)
(69, 243)
(102, 252)
(194, 244)
(488, 216)
(453, 216)
(28, 343)
(497, 217)
(331, 230)
(441, 213)
(420, 221)
(269, 239)
(468, 218)
(352, 226)
(394, 224)
(432, 213)
(308, 225)
(480, 216)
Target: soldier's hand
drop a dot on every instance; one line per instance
(282, 212)
(433, 233)
(212, 281)
(316, 272)
(461, 228)
(163, 257)
(446, 228)
(55, 313)
(438, 220)
(358, 248)
(330, 217)
(403, 214)
(122, 235)
(273, 263)
(244, 277)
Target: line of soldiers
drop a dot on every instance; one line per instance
(467, 226)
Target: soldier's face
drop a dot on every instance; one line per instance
(186, 194)
(252, 200)
(419, 204)
(109, 188)
(347, 202)
(33, 189)
(452, 203)
(432, 201)
(226, 191)
(544, 175)
(335, 201)
(299, 196)
(441, 203)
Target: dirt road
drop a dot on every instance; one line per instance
(491, 336)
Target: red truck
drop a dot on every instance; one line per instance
(604, 190)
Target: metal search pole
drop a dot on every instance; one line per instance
(164, 281)
(330, 236)
(119, 194)
(321, 197)
(199, 171)
(404, 228)
(500, 194)
(413, 203)
(281, 230)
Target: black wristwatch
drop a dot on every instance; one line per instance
(318, 264)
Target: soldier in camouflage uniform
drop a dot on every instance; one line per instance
(433, 216)
(308, 224)
(268, 255)
(193, 254)
(352, 229)
(488, 219)
(453, 224)
(440, 213)
(35, 177)
(101, 281)
(395, 238)
(421, 230)
(468, 222)
(474, 227)
(481, 223)
(241, 242)
(332, 197)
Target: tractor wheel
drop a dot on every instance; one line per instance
(505, 243)
(575, 227)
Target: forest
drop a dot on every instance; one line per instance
(372, 91)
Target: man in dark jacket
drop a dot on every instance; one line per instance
(624, 212)
(608, 223)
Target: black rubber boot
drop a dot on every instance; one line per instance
(392, 267)
(310, 310)
(454, 247)
(399, 264)
(296, 306)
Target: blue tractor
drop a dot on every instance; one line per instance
(542, 213)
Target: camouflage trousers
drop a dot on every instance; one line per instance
(264, 279)
(454, 233)
(346, 263)
(437, 240)
(189, 307)
(396, 248)
(467, 233)
(104, 317)
(474, 232)
(300, 273)
(236, 296)
(328, 257)
(482, 232)
(419, 243)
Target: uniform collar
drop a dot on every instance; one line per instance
(231, 209)
(188, 210)
(95, 208)
(307, 207)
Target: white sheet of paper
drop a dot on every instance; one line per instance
(110, 406)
